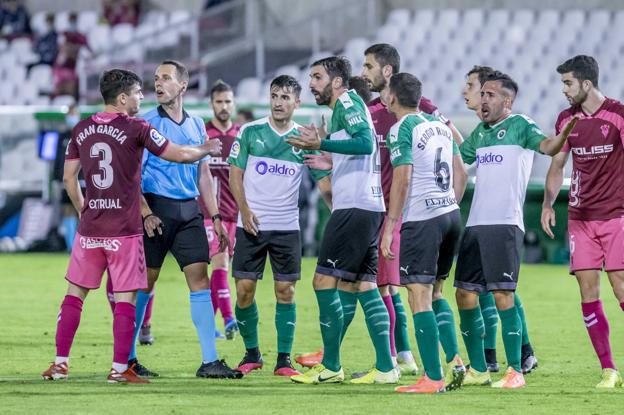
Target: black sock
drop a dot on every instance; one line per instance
(490, 355)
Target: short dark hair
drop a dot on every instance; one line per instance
(407, 88)
(482, 72)
(583, 68)
(288, 83)
(505, 80)
(181, 71)
(336, 66)
(115, 82)
(361, 87)
(218, 87)
(385, 54)
(247, 113)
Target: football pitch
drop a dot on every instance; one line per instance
(33, 287)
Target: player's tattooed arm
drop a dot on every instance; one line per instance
(552, 145)
(72, 185)
(554, 180)
(249, 219)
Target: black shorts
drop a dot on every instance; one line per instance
(489, 258)
(428, 248)
(183, 232)
(349, 247)
(250, 252)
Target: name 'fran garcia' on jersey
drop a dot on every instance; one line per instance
(116, 133)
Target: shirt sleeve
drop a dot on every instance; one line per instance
(152, 140)
(354, 122)
(71, 152)
(467, 149)
(240, 150)
(399, 142)
(531, 135)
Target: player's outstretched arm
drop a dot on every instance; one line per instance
(552, 145)
(190, 154)
(360, 143)
(398, 194)
(460, 177)
(249, 219)
(554, 180)
(70, 180)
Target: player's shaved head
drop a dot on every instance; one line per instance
(508, 85)
(407, 89)
(116, 82)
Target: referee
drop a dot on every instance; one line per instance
(173, 220)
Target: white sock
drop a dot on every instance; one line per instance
(120, 367)
(61, 359)
(394, 360)
(406, 356)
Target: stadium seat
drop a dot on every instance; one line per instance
(99, 37)
(86, 20)
(248, 90)
(291, 70)
(388, 34)
(37, 22)
(399, 18)
(61, 21)
(498, 18)
(524, 18)
(63, 100)
(122, 34)
(473, 18)
(22, 49)
(41, 75)
(423, 18)
(448, 19)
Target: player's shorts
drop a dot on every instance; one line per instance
(489, 258)
(388, 269)
(283, 247)
(432, 245)
(121, 255)
(349, 246)
(596, 244)
(183, 232)
(213, 240)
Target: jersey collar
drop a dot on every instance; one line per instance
(163, 114)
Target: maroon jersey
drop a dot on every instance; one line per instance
(220, 170)
(383, 121)
(110, 148)
(596, 143)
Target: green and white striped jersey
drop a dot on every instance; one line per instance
(426, 143)
(504, 156)
(356, 179)
(273, 171)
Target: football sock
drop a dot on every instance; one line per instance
(123, 329)
(387, 299)
(446, 328)
(349, 306)
(221, 293)
(378, 324)
(285, 323)
(202, 315)
(248, 324)
(120, 367)
(622, 306)
(520, 308)
(490, 318)
(511, 329)
(331, 320)
(401, 337)
(427, 338)
(110, 295)
(473, 330)
(147, 319)
(598, 329)
(67, 323)
(141, 306)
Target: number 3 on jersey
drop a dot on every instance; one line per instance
(104, 179)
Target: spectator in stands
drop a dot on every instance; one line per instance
(244, 116)
(64, 69)
(14, 20)
(121, 11)
(46, 45)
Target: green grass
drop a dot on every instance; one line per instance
(32, 287)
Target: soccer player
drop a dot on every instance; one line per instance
(223, 129)
(347, 263)
(265, 176)
(475, 79)
(173, 220)
(108, 146)
(502, 146)
(423, 198)
(596, 207)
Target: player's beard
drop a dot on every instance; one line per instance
(579, 98)
(324, 97)
(223, 116)
(378, 84)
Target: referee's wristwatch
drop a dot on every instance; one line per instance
(217, 216)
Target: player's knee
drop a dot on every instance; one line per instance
(245, 292)
(466, 299)
(384, 290)
(285, 293)
(504, 299)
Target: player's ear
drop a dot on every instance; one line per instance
(337, 82)
(386, 71)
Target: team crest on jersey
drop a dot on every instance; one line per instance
(235, 150)
(604, 129)
(501, 134)
(296, 151)
(157, 137)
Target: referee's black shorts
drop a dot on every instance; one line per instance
(183, 232)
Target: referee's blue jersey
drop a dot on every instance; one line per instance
(162, 177)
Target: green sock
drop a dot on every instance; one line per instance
(401, 337)
(446, 328)
(472, 329)
(285, 323)
(331, 321)
(248, 324)
(520, 308)
(427, 338)
(490, 318)
(511, 328)
(378, 324)
(349, 305)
